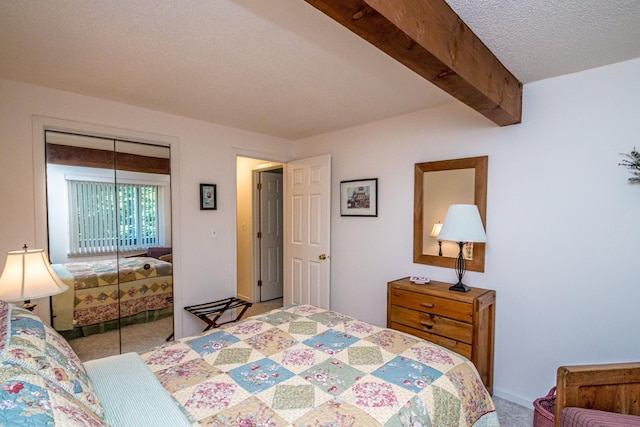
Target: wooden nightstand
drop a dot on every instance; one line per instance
(460, 321)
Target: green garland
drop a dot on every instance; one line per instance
(633, 163)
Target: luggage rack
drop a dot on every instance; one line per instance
(210, 312)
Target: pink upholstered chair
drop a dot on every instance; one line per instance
(605, 395)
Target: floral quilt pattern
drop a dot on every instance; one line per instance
(38, 349)
(29, 400)
(304, 366)
(42, 382)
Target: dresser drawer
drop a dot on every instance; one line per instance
(431, 304)
(459, 321)
(432, 323)
(453, 345)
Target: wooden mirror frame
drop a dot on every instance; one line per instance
(480, 165)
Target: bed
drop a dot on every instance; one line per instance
(135, 288)
(296, 366)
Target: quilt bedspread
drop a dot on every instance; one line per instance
(105, 290)
(92, 274)
(306, 366)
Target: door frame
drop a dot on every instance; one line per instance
(275, 161)
(40, 124)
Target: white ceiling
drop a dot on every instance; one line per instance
(280, 67)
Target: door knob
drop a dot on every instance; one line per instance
(322, 257)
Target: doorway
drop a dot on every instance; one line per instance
(306, 229)
(259, 233)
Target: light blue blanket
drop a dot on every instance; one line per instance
(130, 394)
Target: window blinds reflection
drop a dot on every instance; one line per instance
(105, 220)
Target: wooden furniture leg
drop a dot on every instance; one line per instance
(170, 337)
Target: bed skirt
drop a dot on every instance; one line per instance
(111, 325)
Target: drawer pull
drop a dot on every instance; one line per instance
(426, 324)
(427, 304)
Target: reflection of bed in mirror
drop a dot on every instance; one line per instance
(106, 294)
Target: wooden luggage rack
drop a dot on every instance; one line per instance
(210, 312)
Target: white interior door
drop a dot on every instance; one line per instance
(271, 235)
(307, 212)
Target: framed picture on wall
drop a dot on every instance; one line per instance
(359, 197)
(208, 197)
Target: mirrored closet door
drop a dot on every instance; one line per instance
(109, 223)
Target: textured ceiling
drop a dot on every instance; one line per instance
(538, 39)
(280, 67)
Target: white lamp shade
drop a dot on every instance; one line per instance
(463, 224)
(28, 275)
(435, 231)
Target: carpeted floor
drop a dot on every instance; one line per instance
(263, 307)
(513, 415)
(133, 338)
(143, 337)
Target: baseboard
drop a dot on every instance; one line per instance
(513, 398)
(244, 297)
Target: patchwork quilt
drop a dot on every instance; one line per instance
(42, 381)
(105, 290)
(306, 366)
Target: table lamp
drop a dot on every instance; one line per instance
(435, 232)
(28, 275)
(462, 224)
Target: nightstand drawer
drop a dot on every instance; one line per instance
(431, 304)
(431, 323)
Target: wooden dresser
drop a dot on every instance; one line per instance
(460, 321)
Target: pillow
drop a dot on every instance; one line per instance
(27, 342)
(27, 399)
(157, 252)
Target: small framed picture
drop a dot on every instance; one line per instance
(208, 197)
(359, 197)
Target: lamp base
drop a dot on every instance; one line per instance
(460, 287)
(28, 305)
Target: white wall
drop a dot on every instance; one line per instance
(562, 221)
(205, 153)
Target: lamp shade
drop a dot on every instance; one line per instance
(463, 224)
(28, 275)
(435, 231)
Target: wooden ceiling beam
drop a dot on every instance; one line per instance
(428, 37)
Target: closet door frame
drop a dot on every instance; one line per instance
(42, 124)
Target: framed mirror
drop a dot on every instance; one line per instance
(438, 185)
